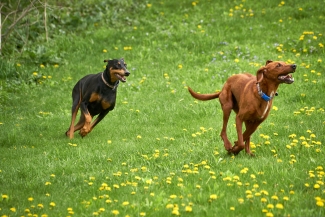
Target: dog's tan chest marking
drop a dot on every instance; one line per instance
(94, 97)
(105, 104)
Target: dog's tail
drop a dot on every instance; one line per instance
(203, 97)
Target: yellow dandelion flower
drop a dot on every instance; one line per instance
(169, 206)
(316, 186)
(188, 209)
(125, 203)
(274, 197)
(173, 196)
(175, 212)
(269, 214)
(279, 206)
(270, 206)
(40, 205)
(115, 212)
(213, 196)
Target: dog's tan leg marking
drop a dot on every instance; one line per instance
(86, 128)
(71, 129)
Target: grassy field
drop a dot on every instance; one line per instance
(158, 153)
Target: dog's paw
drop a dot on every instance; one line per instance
(83, 132)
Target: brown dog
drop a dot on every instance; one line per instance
(251, 98)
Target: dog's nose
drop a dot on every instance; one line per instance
(294, 66)
(127, 73)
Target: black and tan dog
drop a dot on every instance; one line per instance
(95, 94)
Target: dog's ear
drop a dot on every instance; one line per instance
(106, 61)
(268, 61)
(260, 74)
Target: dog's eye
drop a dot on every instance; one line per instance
(279, 65)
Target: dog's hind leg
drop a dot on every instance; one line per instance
(74, 111)
(223, 134)
(86, 127)
(239, 144)
(80, 123)
(226, 102)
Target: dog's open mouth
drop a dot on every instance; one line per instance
(120, 77)
(288, 79)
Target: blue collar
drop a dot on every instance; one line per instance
(263, 95)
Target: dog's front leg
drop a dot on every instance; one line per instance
(250, 129)
(86, 128)
(239, 144)
(98, 119)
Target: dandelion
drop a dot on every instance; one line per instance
(270, 206)
(115, 212)
(142, 214)
(125, 203)
(180, 66)
(13, 209)
(104, 51)
(188, 209)
(274, 197)
(263, 200)
(269, 214)
(173, 196)
(316, 186)
(30, 199)
(40, 206)
(279, 206)
(52, 204)
(175, 212)
(232, 208)
(320, 203)
(213, 196)
(169, 206)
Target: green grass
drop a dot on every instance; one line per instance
(159, 152)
